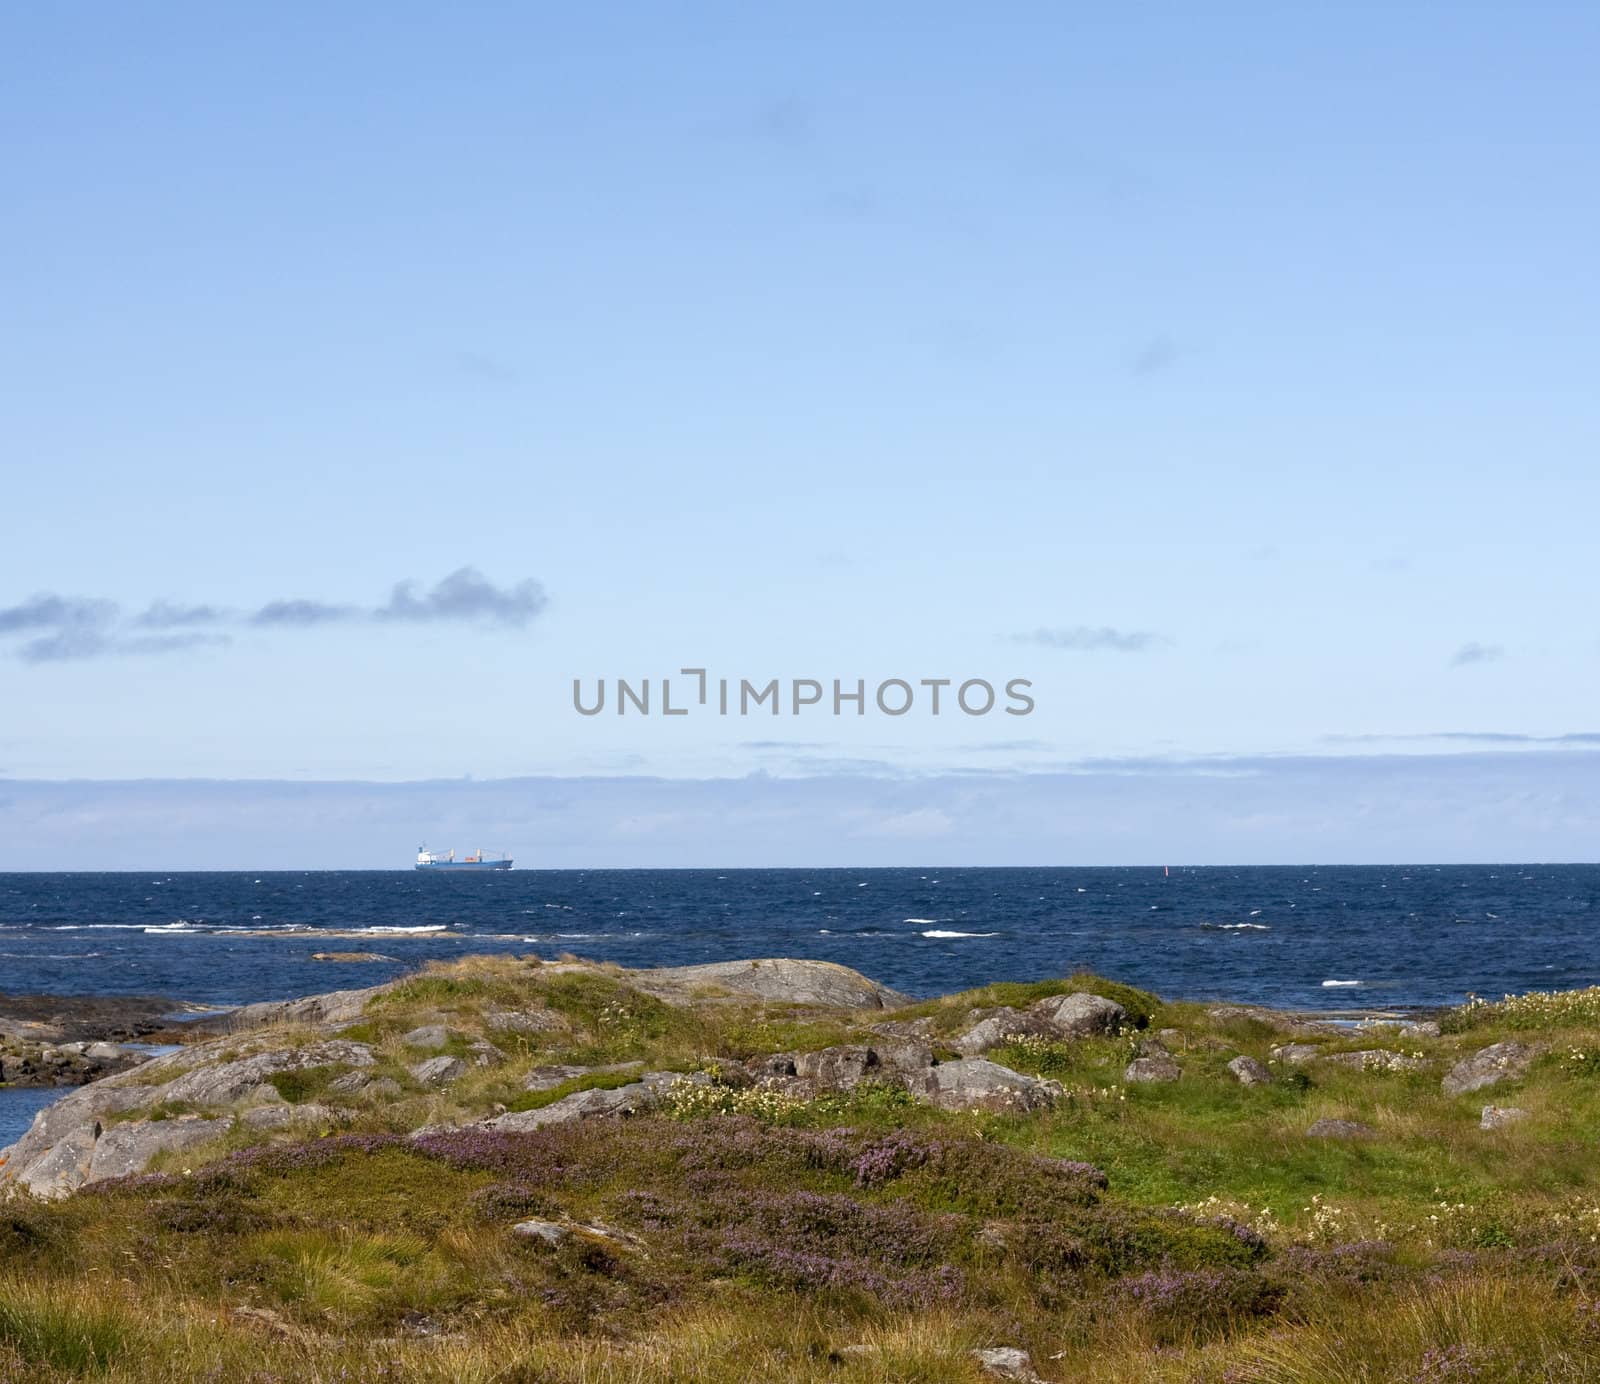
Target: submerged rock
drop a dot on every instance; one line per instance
(1487, 1067)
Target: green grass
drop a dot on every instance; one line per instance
(1493, 1262)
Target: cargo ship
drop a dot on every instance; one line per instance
(446, 860)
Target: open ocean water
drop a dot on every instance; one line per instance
(1292, 936)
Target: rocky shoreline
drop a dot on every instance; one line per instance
(70, 1040)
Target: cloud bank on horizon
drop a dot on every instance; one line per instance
(1440, 808)
(58, 628)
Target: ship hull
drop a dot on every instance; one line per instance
(464, 865)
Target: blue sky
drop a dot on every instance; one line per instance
(799, 341)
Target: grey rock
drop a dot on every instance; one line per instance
(1487, 1067)
(777, 1066)
(552, 1233)
(547, 1078)
(1338, 1129)
(61, 1121)
(837, 1068)
(1007, 1362)
(633, 1099)
(780, 979)
(484, 1053)
(427, 1036)
(1249, 1072)
(904, 1028)
(335, 1007)
(1296, 1054)
(1156, 1068)
(272, 1117)
(975, 1083)
(545, 1232)
(1499, 1116)
(351, 1083)
(1081, 1015)
(903, 1056)
(524, 1021)
(439, 1071)
(384, 1088)
(221, 1083)
(1228, 1013)
(127, 1148)
(1002, 1026)
(63, 1167)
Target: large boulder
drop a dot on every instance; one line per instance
(427, 1036)
(1152, 1068)
(1001, 1026)
(91, 1152)
(975, 1083)
(781, 980)
(62, 1167)
(439, 1071)
(836, 1069)
(1080, 1015)
(845, 1067)
(127, 1148)
(1249, 1072)
(1488, 1067)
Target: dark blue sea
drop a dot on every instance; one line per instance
(1326, 937)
